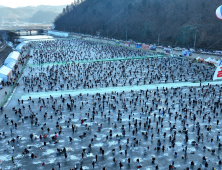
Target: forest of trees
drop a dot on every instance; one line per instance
(8, 36)
(176, 22)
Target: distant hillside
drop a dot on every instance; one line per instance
(43, 8)
(43, 17)
(175, 21)
(27, 13)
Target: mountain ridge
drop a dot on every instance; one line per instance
(175, 22)
(25, 14)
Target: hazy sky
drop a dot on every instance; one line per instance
(18, 3)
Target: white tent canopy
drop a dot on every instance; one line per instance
(11, 65)
(21, 45)
(5, 73)
(13, 56)
(214, 60)
(208, 59)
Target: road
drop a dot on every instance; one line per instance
(194, 55)
(160, 50)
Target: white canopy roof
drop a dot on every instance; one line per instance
(214, 60)
(208, 59)
(5, 70)
(19, 47)
(11, 64)
(13, 56)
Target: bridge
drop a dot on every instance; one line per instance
(29, 31)
(29, 28)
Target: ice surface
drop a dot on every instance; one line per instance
(101, 115)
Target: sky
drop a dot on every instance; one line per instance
(22, 3)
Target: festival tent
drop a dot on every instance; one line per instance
(117, 42)
(208, 59)
(138, 45)
(200, 59)
(11, 65)
(13, 56)
(213, 61)
(145, 46)
(20, 46)
(5, 73)
(127, 44)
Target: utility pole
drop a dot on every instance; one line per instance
(126, 35)
(158, 39)
(195, 41)
(107, 34)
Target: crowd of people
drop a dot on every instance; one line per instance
(75, 50)
(74, 75)
(6, 86)
(156, 129)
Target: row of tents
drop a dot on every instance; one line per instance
(10, 63)
(209, 60)
(9, 66)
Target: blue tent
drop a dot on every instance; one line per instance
(138, 45)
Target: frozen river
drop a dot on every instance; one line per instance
(144, 125)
